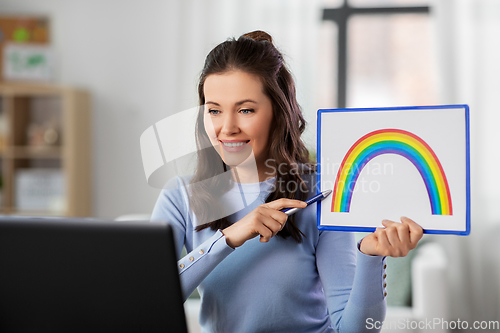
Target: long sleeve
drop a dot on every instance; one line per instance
(197, 264)
(206, 249)
(353, 283)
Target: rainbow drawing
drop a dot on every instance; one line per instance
(392, 141)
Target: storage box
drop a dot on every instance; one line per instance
(40, 189)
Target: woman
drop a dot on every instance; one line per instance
(293, 278)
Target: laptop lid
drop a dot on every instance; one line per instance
(76, 275)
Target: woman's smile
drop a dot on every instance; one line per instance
(233, 146)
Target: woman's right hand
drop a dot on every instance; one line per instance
(266, 220)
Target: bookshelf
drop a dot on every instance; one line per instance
(45, 150)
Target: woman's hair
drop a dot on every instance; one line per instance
(253, 53)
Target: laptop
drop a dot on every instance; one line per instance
(77, 275)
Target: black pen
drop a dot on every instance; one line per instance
(316, 198)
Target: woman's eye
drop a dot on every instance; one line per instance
(246, 111)
(213, 112)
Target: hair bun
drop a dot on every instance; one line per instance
(259, 35)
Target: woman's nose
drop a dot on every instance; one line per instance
(230, 125)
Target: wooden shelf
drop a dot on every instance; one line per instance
(13, 211)
(24, 107)
(33, 152)
(31, 89)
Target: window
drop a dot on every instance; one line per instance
(377, 56)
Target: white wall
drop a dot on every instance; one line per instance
(140, 61)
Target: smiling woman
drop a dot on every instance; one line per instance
(252, 163)
(246, 93)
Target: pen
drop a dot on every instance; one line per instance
(316, 198)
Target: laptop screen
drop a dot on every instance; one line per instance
(71, 275)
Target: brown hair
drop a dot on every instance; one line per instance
(253, 53)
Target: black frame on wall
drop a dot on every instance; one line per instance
(340, 16)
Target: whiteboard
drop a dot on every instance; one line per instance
(384, 163)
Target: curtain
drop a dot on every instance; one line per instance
(468, 43)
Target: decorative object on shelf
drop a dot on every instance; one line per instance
(28, 62)
(24, 31)
(46, 134)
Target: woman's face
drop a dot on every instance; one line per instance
(238, 117)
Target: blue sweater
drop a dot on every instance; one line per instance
(279, 286)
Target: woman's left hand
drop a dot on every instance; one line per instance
(395, 240)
